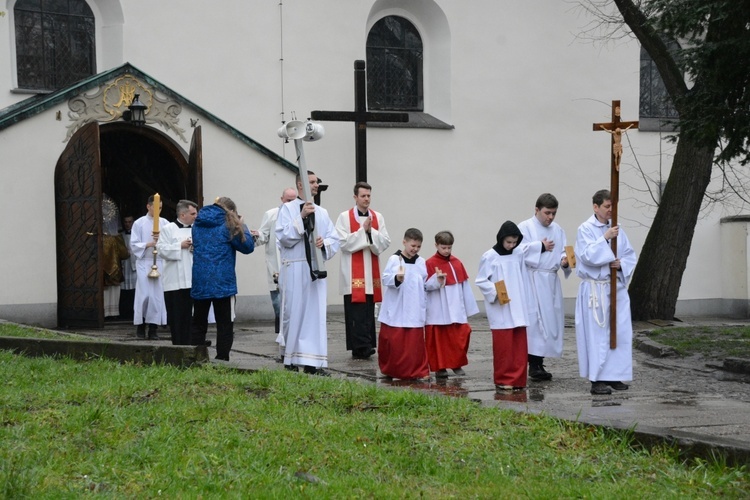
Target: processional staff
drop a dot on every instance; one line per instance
(156, 210)
(615, 129)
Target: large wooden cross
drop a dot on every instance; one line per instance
(615, 129)
(360, 116)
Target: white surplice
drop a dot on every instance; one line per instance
(545, 337)
(303, 301)
(149, 294)
(404, 305)
(511, 268)
(451, 303)
(178, 262)
(352, 242)
(596, 361)
(267, 237)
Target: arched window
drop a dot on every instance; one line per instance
(55, 43)
(655, 107)
(394, 66)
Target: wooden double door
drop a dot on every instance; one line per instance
(129, 164)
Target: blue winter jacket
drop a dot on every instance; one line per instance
(214, 254)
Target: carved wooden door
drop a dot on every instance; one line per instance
(195, 168)
(78, 210)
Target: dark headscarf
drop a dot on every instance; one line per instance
(507, 229)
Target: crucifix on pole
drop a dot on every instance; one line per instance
(360, 116)
(615, 130)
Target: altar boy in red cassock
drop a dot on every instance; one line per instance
(401, 347)
(504, 282)
(447, 331)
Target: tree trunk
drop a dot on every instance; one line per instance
(658, 275)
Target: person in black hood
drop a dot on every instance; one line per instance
(504, 281)
(507, 230)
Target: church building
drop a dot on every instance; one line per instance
(498, 99)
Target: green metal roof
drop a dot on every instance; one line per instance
(35, 105)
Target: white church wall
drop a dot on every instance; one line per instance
(27, 199)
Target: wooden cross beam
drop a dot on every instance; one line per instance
(615, 129)
(360, 116)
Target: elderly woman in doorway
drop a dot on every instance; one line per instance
(218, 234)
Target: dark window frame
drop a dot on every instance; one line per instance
(395, 66)
(655, 108)
(55, 43)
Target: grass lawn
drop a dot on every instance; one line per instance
(709, 341)
(98, 428)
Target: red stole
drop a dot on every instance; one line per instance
(359, 291)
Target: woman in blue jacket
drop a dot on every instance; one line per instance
(218, 234)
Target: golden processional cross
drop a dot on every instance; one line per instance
(615, 128)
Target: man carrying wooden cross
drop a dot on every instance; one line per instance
(604, 366)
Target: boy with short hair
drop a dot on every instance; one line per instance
(447, 329)
(401, 347)
(504, 281)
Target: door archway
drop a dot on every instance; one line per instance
(129, 164)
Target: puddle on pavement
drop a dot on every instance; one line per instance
(448, 387)
(680, 402)
(601, 404)
(512, 396)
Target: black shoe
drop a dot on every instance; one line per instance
(618, 386)
(537, 372)
(222, 358)
(153, 336)
(600, 388)
(291, 368)
(311, 370)
(207, 343)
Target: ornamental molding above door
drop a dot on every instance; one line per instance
(107, 103)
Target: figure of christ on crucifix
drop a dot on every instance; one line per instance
(615, 129)
(360, 116)
(617, 144)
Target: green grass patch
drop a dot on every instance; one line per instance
(709, 341)
(14, 330)
(70, 429)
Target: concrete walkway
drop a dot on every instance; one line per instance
(700, 407)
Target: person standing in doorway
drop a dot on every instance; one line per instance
(127, 287)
